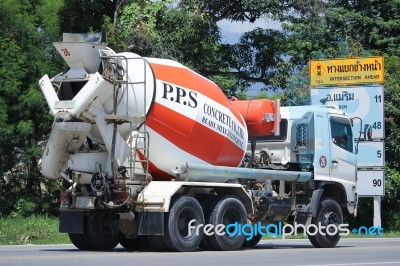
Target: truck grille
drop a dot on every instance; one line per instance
(301, 135)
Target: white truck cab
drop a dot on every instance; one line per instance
(317, 139)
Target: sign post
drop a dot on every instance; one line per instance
(351, 85)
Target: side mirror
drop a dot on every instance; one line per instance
(360, 132)
(367, 132)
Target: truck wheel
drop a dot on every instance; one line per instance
(253, 241)
(329, 213)
(177, 236)
(228, 210)
(81, 241)
(100, 231)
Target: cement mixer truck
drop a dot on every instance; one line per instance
(150, 154)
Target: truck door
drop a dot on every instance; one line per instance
(343, 165)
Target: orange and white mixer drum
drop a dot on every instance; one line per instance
(191, 120)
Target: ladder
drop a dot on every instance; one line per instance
(139, 156)
(115, 71)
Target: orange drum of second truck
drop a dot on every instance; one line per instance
(191, 121)
(259, 114)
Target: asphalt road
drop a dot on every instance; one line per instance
(353, 252)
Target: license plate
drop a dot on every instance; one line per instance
(85, 202)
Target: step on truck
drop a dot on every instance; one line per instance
(150, 154)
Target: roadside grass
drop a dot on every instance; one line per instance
(31, 230)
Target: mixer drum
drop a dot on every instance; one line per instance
(191, 120)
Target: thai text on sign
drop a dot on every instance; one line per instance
(346, 71)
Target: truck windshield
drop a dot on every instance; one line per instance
(341, 132)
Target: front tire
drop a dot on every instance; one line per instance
(329, 213)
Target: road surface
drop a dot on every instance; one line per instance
(352, 252)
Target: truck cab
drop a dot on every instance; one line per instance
(317, 139)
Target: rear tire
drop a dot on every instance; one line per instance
(100, 231)
(81, 241)
(177, 235)
(329, 212)
(225, 210)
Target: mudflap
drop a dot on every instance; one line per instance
(151, 223)
(72, 222)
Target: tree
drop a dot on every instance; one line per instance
(156, 29)
(390, 203)
(79, 16)
(239, 10)
(28, 28)
(259, 56)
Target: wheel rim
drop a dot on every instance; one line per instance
(185, 216)
(330, 217)
(231, 216)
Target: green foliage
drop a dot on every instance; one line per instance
(365, 210)
(261, 95)
(391, 201)
(27, 31)
(392, 111)
(154, 29)
(23, 207)
(258, 57)
(298, 89)
(241, 96)
(79, 16)
(229, 86)
(373, 23)
(193, 38)
(136, 28)
(242, 10)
